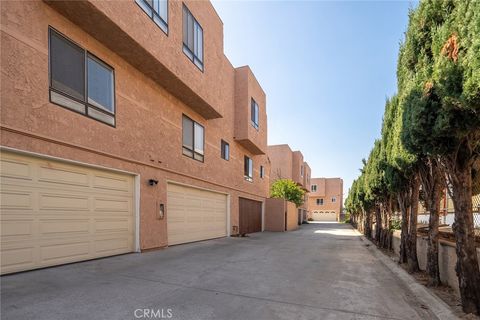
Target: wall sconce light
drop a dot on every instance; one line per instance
(152, 182)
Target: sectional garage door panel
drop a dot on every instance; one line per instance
(195, 214)
(324, 216)
(54, 213)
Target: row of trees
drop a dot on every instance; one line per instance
(430, 139)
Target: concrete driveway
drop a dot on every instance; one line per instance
(322, 271)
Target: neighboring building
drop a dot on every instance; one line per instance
(288, 164)
(124, 128)
(325, 201)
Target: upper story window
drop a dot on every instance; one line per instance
(192, 38)
(334, 199)
(301, 171)
(225, 150)
(157, 10)
(80, 81)
(319, 202)
(262, 172)
(193, 139)
(254, 114)
(248, 169)
(314, 188)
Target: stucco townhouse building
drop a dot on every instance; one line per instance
(325, 201)
(124, 127)
(288, 164)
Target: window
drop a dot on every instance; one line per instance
(334, 199)
(319, 202)
(192, 38)
(80, 81)
(248, 169)
(193, 139)
(254, 114)
(157, 10)
(225, 150)
(262, 172)
(314, 188)
(301, 171)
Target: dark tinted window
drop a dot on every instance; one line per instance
(192, 38)
(225, 150)
(248, 168)
(254, 114)
(193, 139)
(157, 10)
(67, 66)
(187, 136)
(71, 68)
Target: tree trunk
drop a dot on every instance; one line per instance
(388, 216)
(433, 183)
(467, 262)
(368, 225)
(412, 231)
(378, 225)
(404, 235)
(433, 269)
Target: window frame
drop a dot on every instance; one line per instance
(254, 107)
(334, 199)
(185, 46)
(248, 175)
(85, 103)
(193, 140)
(154, 13)
(224, 155)
(319, 201)
(262, 172)
(313, 186)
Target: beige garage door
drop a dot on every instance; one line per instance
(54, 213)
(324, 216)
(195, 214)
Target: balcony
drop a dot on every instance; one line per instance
(250, 112)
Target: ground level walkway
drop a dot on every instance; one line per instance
(321, 271)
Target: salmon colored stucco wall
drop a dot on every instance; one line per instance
(326, 189)
(307, 177)
(287, 164)
(147, 139)
(292, 216)
(275, 214)
(281, 161)
(297, 163)
(124, 27)
(246, 88)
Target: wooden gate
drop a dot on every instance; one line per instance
(250, 216)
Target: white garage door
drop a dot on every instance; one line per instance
(195, 214)
(54, 213)
(324, 216)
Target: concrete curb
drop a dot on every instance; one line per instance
(439, 308)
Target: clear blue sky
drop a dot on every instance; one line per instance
(326, 67)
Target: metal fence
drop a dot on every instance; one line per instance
(448, 216)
